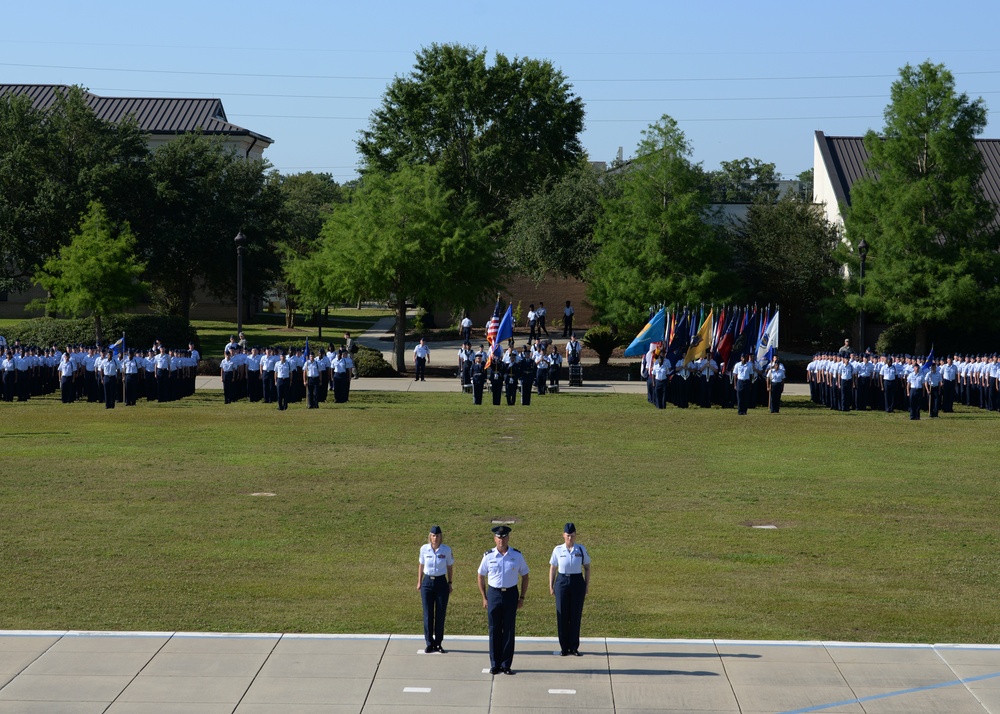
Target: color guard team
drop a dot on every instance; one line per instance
(535, 366)
(502, 578)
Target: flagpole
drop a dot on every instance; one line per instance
(124, 380)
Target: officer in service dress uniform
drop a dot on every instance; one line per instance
(498, 575)
(569, 580)
(434, 576)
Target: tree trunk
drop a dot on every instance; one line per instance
(399, 339)
(289, 313)
(98, 329)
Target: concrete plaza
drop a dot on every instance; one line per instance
(173, 673)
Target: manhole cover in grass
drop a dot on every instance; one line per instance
(504, 521)
(764, 525)
(263, 493)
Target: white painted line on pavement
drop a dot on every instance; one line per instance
(562, 691)
(418, 690)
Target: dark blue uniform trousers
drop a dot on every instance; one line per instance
(434, 595)
(569, 591)
(501, 614)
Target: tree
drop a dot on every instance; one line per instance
(308, 199)
(744, 181)
(495, 132)
(933, 249)
(654, 244)
(552, 231)
(785, 254)
(96, 273)
(54, 163)
(205, 194)
(400, 240)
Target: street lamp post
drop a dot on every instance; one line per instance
(863, 254)
(240, 240)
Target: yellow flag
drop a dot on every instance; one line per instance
(702, 342)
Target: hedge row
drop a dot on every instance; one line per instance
(140, 331)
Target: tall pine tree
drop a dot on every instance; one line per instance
(932, 235)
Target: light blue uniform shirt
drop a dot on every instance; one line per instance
(502, 570)
(569, 562)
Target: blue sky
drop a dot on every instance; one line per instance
(742, 79)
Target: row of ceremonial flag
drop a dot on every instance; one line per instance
(687, 333)
(690, 334)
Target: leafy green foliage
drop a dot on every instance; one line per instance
(308, 200)
(495, 131)
(205, 195)
(603, 340)
(743, 181)
(785, 254)
(370, 363)
(140, 331)
(97, 273)
(934, 252)
(654, 243)
(552, 230)
(401, 240)
(54, 163)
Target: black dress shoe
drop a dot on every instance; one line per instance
(441, 649)
(428, 649)
(495, 670)
(577, 653)
(564, 653)
(508, 670)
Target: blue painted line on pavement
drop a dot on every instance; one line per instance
(887, 695)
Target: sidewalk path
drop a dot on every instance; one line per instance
(171, 673)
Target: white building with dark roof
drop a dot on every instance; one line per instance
(159, 118)
(839, 161)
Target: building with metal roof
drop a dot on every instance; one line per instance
(161, 119)
(839, 161)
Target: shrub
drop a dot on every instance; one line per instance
(370, 363)
(603, 341)
(139, 330)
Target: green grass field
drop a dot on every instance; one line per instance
(266, 330)
(144, 519)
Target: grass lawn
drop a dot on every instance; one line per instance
(265, 330)
(144, 519)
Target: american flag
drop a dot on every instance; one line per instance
(493, 326)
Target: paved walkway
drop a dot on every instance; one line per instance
(173, 673)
